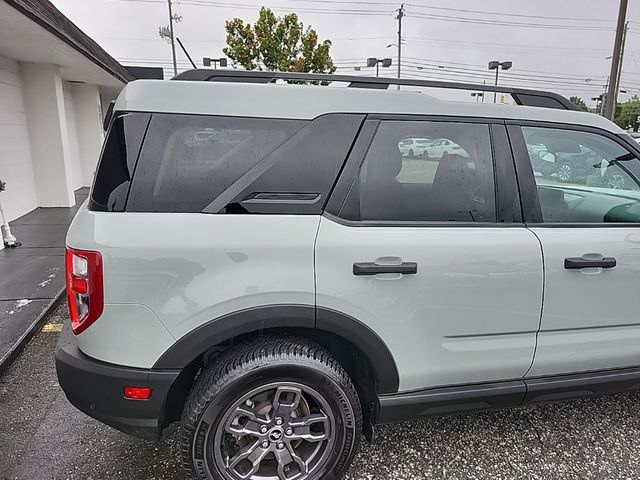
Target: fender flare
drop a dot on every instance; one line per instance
(195, 343)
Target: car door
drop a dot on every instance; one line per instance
(431, 257)
(589, 229)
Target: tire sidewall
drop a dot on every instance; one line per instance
(345, 429)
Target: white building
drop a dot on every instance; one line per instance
(54, 83)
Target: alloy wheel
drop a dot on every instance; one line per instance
(564, 172)
(280, 431)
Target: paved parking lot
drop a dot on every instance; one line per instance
(42, 437)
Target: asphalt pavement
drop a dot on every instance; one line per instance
(43, 437)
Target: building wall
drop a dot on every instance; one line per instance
(72, 131)
(16, 166)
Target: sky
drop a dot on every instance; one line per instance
(557, 45)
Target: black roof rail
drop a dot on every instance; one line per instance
(522, 96)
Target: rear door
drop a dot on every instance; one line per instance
(586, 213)
(431, 254)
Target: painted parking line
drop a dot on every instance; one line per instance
(52, 327)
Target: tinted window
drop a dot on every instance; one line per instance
(583, 177)
(448, 177)
(298, 175)
(188, 160)
(117, 162)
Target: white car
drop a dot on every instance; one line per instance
(414, 147)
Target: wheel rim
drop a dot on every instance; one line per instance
(616, 181)
(280, 431)
(564, 173)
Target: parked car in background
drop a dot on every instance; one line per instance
(414, 147)
(443, 146)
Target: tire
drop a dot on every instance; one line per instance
(238, 392)
(615, 181)
(411, 154)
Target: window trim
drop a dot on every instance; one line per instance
(531, 210)
(351, 169)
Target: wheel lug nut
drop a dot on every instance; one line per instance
(265, 444)
(289, 431)
(263, 429)
(278, 421)
(280, 446)
(249, 403)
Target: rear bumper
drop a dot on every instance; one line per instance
(97, 389)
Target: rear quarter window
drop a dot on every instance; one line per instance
(187, 161)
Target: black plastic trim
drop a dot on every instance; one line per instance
(97, 389)
(224, 328)
(578, 385)
(522, 96)
(372, 268)
(508, 207)
(387, 223)
(381, 360)
(198, 341)
(449, 401)
(531, 209)
(504, 394)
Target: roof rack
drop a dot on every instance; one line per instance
(522, 96)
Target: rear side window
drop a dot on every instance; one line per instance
(117, 162)
(189, 160)
(449, 178)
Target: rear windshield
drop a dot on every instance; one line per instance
(189, 160)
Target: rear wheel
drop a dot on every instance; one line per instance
(271, 409)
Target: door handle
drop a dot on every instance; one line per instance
(371, 268)
(576, 263)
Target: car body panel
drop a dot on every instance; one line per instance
(591, 317)
(189, 269)
(470, 314)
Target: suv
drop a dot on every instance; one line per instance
(258, 261)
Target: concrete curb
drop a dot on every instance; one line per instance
(12, 354)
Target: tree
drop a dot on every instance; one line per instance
(278, 44)
(627, 113)
(578, 102)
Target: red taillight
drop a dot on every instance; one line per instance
(137, 393)
(84, 287)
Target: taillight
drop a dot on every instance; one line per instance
(84, 287)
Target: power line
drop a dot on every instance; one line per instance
(503, 14)
(501, 23)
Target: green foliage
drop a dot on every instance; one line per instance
(277, 43)
(627, 113)
(580, 103)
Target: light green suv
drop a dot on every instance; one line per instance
(263, 263)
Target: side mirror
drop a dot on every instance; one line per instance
(107, 118)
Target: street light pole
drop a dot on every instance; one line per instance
(497, 65)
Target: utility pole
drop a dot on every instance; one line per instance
(399, 18)
(172, 39)
(612, 96)
(624, 42)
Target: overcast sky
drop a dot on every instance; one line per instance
(558, 45)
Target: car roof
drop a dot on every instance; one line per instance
(309, 101)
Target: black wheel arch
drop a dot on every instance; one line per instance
(284, 317)
(360, 350)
